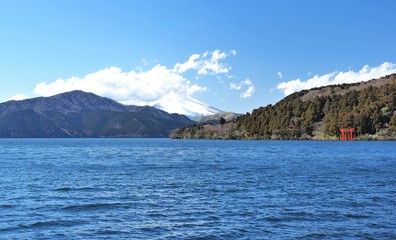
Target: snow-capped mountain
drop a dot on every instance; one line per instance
(187, 106)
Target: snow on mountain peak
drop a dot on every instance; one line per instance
(186, 105)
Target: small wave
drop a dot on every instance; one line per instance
(355, 216)
(296, 216)
(376, 199)
(8, 229)
(209, 237)
(214, 218)
(92, 206)
(151, 229)
(313, 236)
(111, 232)
(157, 215)
(67, 189)
(6, 206)
(274, 219)
(300, 214)
(41, 224)
(233, 190)
(50, 224)
(214, 190)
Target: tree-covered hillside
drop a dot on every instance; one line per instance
(369, 107)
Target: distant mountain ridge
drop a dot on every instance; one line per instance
(214, 119)
(82, 114)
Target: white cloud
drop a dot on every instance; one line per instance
(336, 77)
(159, 85)
(132, 87)
(192, 63)
(18, 97)
(247, 85)
(280, 75)
(248, 93)
(206, 64)
(235, 86)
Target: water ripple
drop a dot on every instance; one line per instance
(166, 189)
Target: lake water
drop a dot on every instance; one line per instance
(196, 189)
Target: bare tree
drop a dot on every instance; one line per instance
(222, 121)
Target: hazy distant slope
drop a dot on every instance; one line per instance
(214, 119)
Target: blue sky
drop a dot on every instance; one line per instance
(247, 53)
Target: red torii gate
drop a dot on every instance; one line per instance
(347, 134)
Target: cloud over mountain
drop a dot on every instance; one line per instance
(338, 77)
(155, 86)
(18, 97)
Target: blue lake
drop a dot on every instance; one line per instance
(196, 189)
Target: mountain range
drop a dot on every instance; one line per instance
(82, 114)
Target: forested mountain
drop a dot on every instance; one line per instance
(369, 107)
(81, 114)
